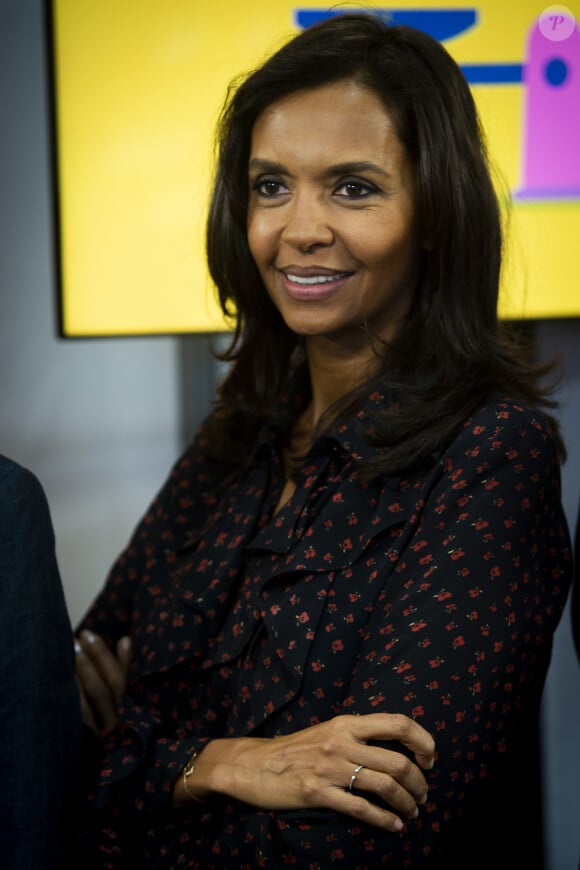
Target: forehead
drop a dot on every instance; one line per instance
(339, 116)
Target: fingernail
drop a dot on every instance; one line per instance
(415, 814)
(397, 825)
(125, 643)
(88, 635)
(424, 798)
(78, 647)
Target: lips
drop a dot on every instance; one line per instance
(313, 282)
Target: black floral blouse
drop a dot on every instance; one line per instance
(435, 595)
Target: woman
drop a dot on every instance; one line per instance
(362, 558)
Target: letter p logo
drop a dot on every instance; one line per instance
(557, 23)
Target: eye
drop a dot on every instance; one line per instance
(269, 187)
(355, 188)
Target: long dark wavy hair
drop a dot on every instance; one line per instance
(451, 352)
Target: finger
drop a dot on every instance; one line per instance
(426, 761)
(389, 774)
(124, 654)
(373, 815)
(105, 662)
(369, 771)
(402, 786)
(86, 712)
(396, 766)
(397, 726)
(96, 691)
(365, 811)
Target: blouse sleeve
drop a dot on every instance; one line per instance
(135, 757)
(461, 639)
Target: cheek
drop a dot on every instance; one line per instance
(394, 246)
(260, 236)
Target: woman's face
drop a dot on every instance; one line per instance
(331, 213)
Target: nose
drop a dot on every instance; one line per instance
(307, 223)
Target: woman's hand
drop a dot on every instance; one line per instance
(102, 678)
(313, 769)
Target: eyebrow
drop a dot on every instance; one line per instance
(351, 167)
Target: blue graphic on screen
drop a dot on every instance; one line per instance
(441, 24)
(551, 120)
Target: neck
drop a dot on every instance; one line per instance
(334, 374)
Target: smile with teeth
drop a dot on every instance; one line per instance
(317, 279)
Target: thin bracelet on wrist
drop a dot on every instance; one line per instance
(187, 772)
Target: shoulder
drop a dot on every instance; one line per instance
(507, 416)
(14, 474)
(24, 506)
(19, 484)
(191, 486)
(198, 459)
(505, 433)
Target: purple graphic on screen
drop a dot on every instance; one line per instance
(551, 119)
(550, 76)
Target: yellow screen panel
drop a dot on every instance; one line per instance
(138, 86)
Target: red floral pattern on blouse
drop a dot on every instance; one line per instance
(434, 595)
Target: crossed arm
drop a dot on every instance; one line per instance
(308, 769)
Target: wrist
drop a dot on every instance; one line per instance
(186, 776)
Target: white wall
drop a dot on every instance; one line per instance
(101, 421)
(98, 421)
